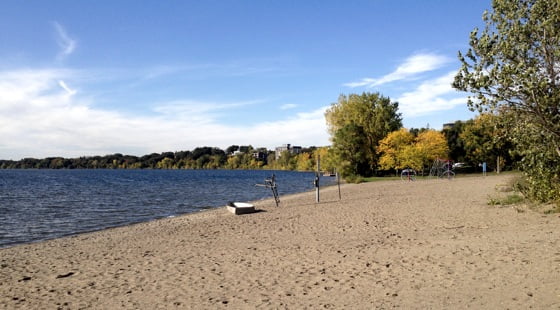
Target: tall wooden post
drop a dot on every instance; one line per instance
(338, 183)
(317, 177)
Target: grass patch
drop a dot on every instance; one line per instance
(392, 178)
(376, 179)
(356, 179)
(553, 208)
(510, 199)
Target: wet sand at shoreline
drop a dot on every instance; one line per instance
(425, 244)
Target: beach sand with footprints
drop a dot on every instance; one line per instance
(390, 244)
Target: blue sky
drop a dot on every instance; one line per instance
(82, 78)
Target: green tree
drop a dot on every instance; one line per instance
(482, 143)
(370, 116)
(165, 163)
(350, 149)
(512, 68)
(456, 144)
(286, 161)
(233, 162)
(543, 164)
(232, 149)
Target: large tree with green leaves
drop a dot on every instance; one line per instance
(363, 119)
(350, 150)
(484, 140)
(513, 67)
(514, 63)
(456, 144)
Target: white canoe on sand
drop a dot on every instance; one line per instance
(240, 207)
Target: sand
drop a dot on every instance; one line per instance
(391, 244)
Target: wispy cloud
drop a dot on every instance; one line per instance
(288, 106)
(198, 111)
(67, 45)
(412, 66)
(38, 118)
(431, 96)
(70, 91)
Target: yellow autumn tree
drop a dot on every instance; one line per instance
(328, 160)
(400, 149)
(430, 145)
(410, 157)
(391, 149)
(304, 162)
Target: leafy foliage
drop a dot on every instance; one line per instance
(431, 145)
(356, 124)
(512, 67)
(540, 163)
(350, 149)
(400, 149)
(456, 145)
(235, 157)
(394, 150)
(484, 140)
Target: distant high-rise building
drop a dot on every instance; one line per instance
(286, 147)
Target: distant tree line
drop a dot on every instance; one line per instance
(234, 157)
(471, 142)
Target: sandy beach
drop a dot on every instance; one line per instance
(411, 245)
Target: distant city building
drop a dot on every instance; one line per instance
(260, 155)
(286, 147)
(448, 125)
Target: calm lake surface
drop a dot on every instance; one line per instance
(44, 204)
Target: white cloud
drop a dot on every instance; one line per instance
(198, 112)
(41, 116)
(192, 106)
(305, 129)
(412, 66)
(288, 106)
(431, 96)
(67, 45)
(66, 88)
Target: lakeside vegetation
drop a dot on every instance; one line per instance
(234, 157)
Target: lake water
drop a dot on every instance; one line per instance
(44, 204)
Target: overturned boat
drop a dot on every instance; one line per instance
(240, 207)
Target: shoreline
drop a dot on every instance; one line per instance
(424, 244)
(97, 200)
(264, 201)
